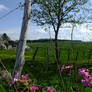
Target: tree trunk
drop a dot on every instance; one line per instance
(20, 60)
(56, 48)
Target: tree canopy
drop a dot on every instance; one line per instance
(56, 12)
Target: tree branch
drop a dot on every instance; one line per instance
(59, 14)
(52, 20)
(69, 9)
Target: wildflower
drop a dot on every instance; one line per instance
(66, 67)
(34, 88)
(50, 90)
(25, 77)
(84, 82)
(87, 78)
(69, 67)
(62, 68)
(86, 75)
(90, 81)
(81, 71)
(15, 78)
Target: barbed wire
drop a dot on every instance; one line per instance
(19, 6)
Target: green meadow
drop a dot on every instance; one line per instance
(67, 54)
(45, 72)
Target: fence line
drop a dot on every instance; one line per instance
(70, 54)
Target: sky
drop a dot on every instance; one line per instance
(11, 25)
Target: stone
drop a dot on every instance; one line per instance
(5, 77)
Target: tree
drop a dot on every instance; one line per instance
(5, 37)
(54, 13)
(23, 37)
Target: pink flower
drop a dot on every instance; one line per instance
(15, 78)
(90, 83)
(81, 71)
(71, 66)
(66, 67)
(50, 90)
(25, 77)
(90, 78)
(62, 68)
(13, 81)
(86, 75)
(34, 88)
(84, 82)
(87, 78)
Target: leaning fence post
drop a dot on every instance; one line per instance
(68, 54)
(83, 54)
(33, 58)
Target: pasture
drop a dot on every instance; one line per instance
(45, 72)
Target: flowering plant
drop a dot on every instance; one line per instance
(67, 69)
(86, 77)
(25, 84)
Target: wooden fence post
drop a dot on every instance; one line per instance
(68, 55)
(33, 58)
(48, 54)
(76, 57)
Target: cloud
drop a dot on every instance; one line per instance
(34, 33)
(79, 33)
(3, 8)
(13, 33)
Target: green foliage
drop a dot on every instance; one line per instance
(44, 72)
(47, 75)
(56, 12)
(2, 89)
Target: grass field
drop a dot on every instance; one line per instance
(44, 72)
(83, 49)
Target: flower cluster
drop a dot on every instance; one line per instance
(34, 88)
(50, 90)
(25, 77)
(65, 68)
(87, 78)
(27, 84)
